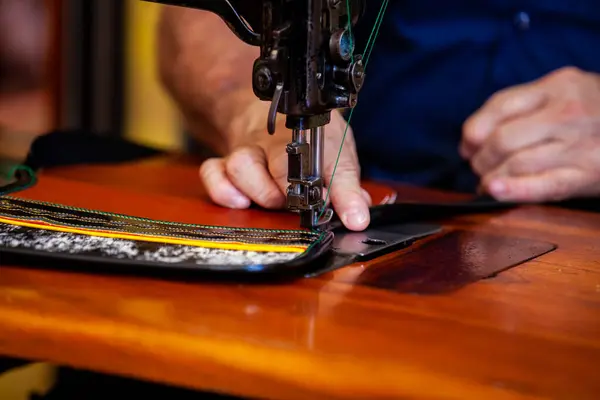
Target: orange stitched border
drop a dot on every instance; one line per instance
(157, 239)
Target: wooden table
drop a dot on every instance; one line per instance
(530, 332)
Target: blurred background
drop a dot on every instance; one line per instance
(86, 65)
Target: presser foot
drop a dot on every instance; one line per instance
(316, 220)
(305, 170)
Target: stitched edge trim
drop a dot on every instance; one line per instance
(158, 239)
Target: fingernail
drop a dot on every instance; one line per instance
(482, 127)
(497, 187)
(354, 218)
(481, 130)
(238, 201)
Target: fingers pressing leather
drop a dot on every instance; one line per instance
(346, 195)
(348, 198)
(278, 166)
(247, 169)
(219, 187)
(504, 105)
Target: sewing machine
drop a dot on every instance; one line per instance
(306, 69)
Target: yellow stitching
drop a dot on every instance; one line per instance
(165, 240)
(166, 229)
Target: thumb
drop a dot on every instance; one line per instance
(344, 192)
(342, 177)
(278, 165)
(346, 195)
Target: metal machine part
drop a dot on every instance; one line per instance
(306, 69)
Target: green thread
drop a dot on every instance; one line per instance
(368, 48)
(316, 242)
(375, 31)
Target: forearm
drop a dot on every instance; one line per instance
(207, 71)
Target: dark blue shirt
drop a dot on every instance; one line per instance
(436, 62)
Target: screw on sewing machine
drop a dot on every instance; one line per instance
(263, 79)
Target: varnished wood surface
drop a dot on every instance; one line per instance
(531, 332)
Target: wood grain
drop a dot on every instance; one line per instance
(531, 332)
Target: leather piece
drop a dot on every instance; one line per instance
(58, 215)
(403, 212)
(50, 189)
(453, 261)
(63, 233)
(43, 155)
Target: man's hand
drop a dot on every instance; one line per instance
(256, 171)
(539, 141)
(199, 62)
